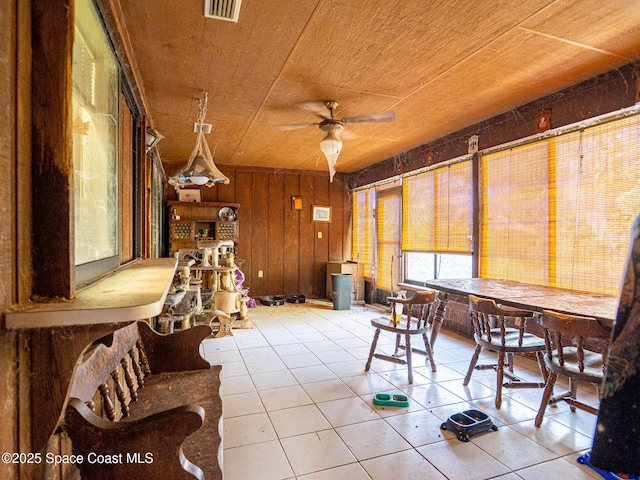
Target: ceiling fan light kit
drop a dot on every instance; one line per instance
(331, 144)
(200, 169)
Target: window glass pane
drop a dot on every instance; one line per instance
(454, 266)
(419, 266)
(95, 139)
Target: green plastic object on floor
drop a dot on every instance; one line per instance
(391, 400)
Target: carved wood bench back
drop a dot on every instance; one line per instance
(117, 360)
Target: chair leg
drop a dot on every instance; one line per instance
(542, 366)
(429, 350)
(573, 387)
(546, 396)
(373, 349)
(500, 371)
(408, 350)
(510, 362)
(398, 352)
(474, 360)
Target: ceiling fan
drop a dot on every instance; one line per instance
(332, 127)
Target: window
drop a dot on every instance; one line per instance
(437, 223)
(554, 210)
(95, 146)
(420, 267)
(558, 211)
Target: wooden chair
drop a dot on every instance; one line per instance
(418, 308)
(575, 347)
(502, 330)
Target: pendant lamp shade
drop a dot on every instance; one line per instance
(200, 169)
(331, 146)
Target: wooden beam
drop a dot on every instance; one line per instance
(52, 175)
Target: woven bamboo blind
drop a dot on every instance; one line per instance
(558, 211)
(363, 233)
(437, 210)
(388, 223)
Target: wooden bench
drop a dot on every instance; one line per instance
(146, 405)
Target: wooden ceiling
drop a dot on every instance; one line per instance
(440, 66)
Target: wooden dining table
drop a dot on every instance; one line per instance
(536, 298)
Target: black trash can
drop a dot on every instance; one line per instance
(341, 286)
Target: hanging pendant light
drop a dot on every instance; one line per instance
(331, 145)
(200, 169)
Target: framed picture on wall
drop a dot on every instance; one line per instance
(321, 214)
(189, 195)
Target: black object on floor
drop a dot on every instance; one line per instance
(296, 298)
(468, 423)
(271, 300)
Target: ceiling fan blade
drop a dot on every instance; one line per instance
(317, 108)
(296, 126)
(376, 117)
(347, 135)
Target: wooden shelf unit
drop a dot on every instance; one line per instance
(199, 221)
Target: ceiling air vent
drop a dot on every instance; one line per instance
(222, 9)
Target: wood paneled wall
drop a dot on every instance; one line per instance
(284, 244)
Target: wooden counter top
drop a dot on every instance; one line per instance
(135, 292)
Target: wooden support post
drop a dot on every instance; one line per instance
(52, 173)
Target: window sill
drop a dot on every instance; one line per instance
(133, 293)
(413, 287)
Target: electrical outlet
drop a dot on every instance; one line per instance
(260, 274)
(319, 234)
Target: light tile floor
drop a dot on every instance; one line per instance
(298, 405)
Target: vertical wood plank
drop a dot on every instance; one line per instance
(321, 251)
(275, 244)
(260, 233)
(291, 233)
(244, 185)
(209, 194)
(306, 236)
(226, 193)
(336, 228)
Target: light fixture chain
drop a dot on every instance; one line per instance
(202, 108)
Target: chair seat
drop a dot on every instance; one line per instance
(385, 323)
(593, 364)
(530, 342)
